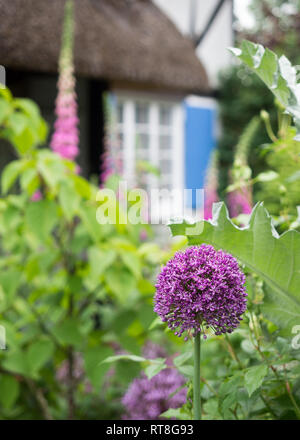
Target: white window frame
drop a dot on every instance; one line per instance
(129, 99)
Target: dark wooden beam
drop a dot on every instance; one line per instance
(96, 125)
(200, 38)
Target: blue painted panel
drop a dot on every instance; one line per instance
(199, 142)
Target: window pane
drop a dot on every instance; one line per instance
(165, 184)
(141, 113)
(120, 141)
(165, 166)
(165, 142)
(142, 141)
(142, 146)
(165, 115)
(120, 112)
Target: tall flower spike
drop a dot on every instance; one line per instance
(65, 139)
(110, 159)
(210, 186)
(201, 288)
(240, 199)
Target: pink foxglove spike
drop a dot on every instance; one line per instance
(210, 187)
(239, 202)
(65, 139)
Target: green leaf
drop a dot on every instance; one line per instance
(228, 402)
(120, 282)
(122, 321)
(10, 280)
(5, 109)
(42, 131)
(230, 385)
(10, 390)
(294, 177)
(176, 414)
(211, 408)
(186, 370)
(28, 107)
(67, 332)
(132, 262)
(51, 167)
(88, 216)
(39, 353)
(100, 260)
(95, 368)
(123, 357)
(254, 377)
(41, 217)
(69, 200)
(17, 363)
(266, 176)
(30, 181)
(146, 315)
(18, 122)
(23, 141)
(82, 187)
(274, 258)
(156, 323)
(10, 174)
(277, 73)
(181, 359)
(154, 367)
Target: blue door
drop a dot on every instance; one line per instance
(199, 143)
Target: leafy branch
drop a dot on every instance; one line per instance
(277, 73)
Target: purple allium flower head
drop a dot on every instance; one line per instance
(65, 138)
(146, 398)
(201, 288)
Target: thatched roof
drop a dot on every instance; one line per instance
(118, 40)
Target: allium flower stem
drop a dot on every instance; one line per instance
(197, 359)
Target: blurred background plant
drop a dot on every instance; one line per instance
(72, 291)
(242, 95)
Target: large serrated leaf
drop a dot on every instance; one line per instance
(277, 73)
(276, 259)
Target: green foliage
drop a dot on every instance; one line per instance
(277, 73)
(21, 123)
(279, 186)
(69, 287)
(241, 172)
(281, 192)
(242, 95)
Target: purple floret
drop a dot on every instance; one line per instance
(201, 288)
